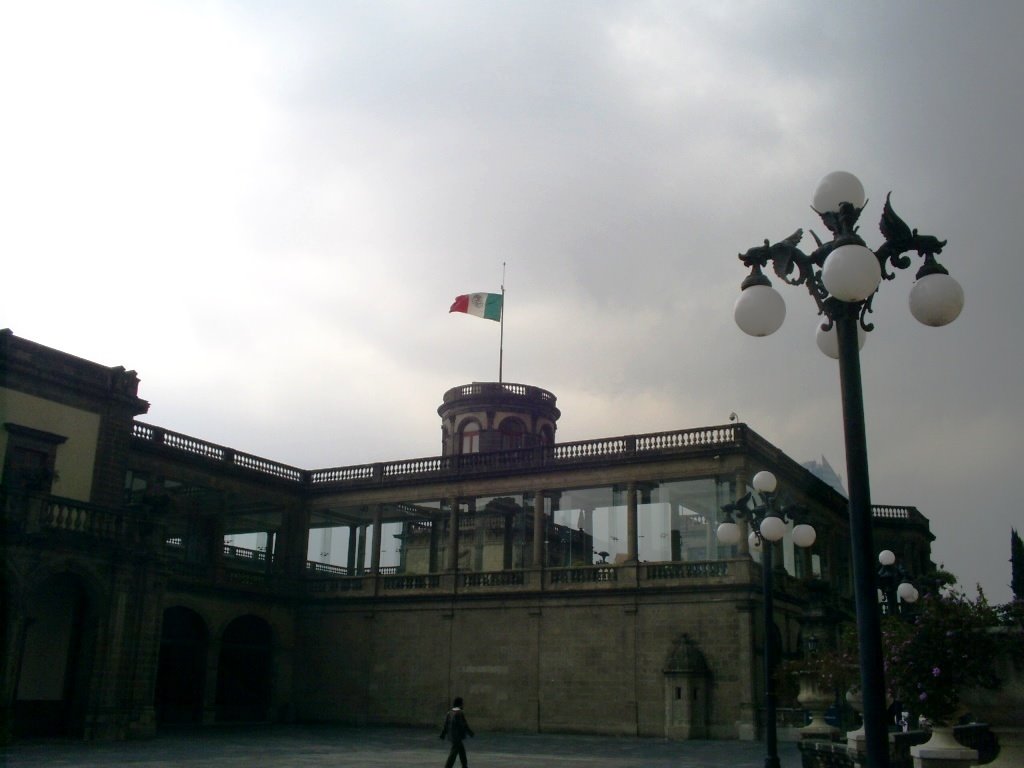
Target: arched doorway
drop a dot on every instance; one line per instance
(181, 671)
(244, 671)
(52, 673)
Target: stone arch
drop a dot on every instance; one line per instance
(55, 655)
(245, 670)
(181, 669)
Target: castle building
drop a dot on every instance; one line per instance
(151, 577)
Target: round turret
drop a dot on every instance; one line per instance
(496, 416)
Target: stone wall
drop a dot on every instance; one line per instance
(592, 663)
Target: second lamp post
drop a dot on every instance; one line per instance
(767, 526)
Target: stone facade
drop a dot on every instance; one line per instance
(578, 587)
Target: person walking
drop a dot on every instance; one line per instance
(456, 728)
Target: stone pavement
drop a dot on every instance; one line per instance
(383, 747)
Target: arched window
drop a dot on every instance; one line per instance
(513, 433)
(470, 442)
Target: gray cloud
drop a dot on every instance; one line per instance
(271, 228)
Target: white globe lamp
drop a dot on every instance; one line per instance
(907, 592)
(828, 341)
(838, 187)
(759, 310)
(772, 528)
(804, 535)
(886, 557)
(936, 299)
(851, 272)
(764, 482)
(728, 533)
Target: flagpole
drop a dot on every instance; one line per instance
(501, 336)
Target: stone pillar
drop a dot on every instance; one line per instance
(353, 538)
(291, 549)
(453, 535)
(361, 549)
(13, 645)
(539, 528)
(147, 655)
(631, 527)
(377, 529)
(432, 565)
(210, 681)
(746, 673)
(507, 541)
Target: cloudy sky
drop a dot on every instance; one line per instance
(266, 208)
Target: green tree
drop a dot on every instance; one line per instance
(1016, 565)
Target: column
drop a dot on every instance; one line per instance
(539, 527)
(210, 682)
(377, 529)
(291, 549)
(631, 526)
(453, 535)
(361, 549)
(353, 536)
(432, 565)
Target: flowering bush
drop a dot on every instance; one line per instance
(944, 648)
(832, 669)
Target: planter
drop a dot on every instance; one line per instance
(816, 701)
(943, 751)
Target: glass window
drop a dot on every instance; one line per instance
(676, 520)
(513, 433)
(470, 438)
(588, 525)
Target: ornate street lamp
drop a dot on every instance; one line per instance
(895, 588)
(767, 524)
(842, 276)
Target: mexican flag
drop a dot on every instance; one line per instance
(485, 305)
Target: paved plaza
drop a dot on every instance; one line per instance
(374, 747)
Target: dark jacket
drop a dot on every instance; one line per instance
(456, 727)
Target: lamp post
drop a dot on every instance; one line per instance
(767, 524)
(842, 277)
(894, 586)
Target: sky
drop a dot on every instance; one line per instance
(266, 208)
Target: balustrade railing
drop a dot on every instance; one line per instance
(326, 568)
(32, 513)
(493, 579)
(585, 574)
(147, 433)
(334, 585)
(250, 555)
(411, 581)
(559, 454)
(697, 570)
(73, 516)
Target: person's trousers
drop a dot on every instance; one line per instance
(457, 749)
